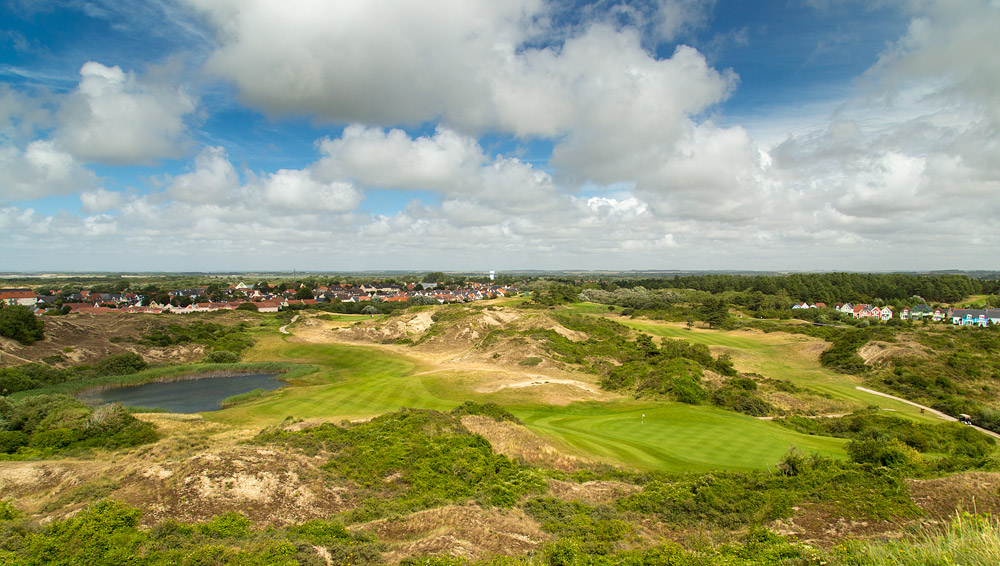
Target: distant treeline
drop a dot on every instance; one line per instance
(830, 288)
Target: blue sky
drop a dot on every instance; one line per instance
(475, 135)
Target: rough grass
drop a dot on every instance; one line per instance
(781, 356)
(972, 540)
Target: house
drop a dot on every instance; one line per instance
(270, 306)
(920, 311)
(886, 313)
(969, 317)
(23, 297)
(846, 308)
(975, 317)
(940, 314)
(859, 311)
(904, 314)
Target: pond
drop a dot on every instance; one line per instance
(188, 395)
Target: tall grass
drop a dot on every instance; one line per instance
(970, 540)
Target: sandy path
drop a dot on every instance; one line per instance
(924, 408)
(284, 329)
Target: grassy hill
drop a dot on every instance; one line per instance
(361, 456)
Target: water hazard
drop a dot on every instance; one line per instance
(188, 395)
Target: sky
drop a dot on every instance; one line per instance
(470, 135)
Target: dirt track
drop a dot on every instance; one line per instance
(927, 409)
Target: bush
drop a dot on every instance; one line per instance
(222, 357)
(881, 450)
(11, 440)
(19, 323)
(121, 364)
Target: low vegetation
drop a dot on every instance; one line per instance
(20, 323)
(46, 425)
(413, 459)
(216, 337)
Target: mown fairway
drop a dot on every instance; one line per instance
(358, 382)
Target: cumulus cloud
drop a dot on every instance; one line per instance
(213, 180)
(114, 117)
(298, 191)
(953, 44)
(466, 62)
(101, 200)
(392, 159)
(39, 171)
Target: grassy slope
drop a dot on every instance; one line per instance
(779, 356)
(357, 382)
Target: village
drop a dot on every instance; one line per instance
(241, 295)
(961, 317)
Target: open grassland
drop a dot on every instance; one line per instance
(354, 382)
(780, 356)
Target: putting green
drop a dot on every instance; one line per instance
(672, 436)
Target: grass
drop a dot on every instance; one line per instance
(359, 383)
(970, 539)
(780, 356)
(671, 436)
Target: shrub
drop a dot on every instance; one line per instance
(222, 357)
(11, 440)
(19, 323)
(227, 525)
(121, 364)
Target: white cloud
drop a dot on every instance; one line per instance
(101, 200)
(115, 117)
(391, 159)
(465, 62)
(39, 171)
(297, 191)
(213, 180)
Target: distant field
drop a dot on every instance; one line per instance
(359, 382)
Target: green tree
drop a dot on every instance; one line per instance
(714, 312)
(19, 323)
(304, 293)
(434, 277)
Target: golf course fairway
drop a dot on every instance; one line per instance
(357, 382)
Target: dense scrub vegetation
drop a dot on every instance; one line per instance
(20, 323)
(889, 440)
(832, 287)
(108, 534)
(217, 337)
(954, 370)
(34, 376)
(44, 425)
(672, 369)
(414, 459)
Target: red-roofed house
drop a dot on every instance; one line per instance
(23, 297)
